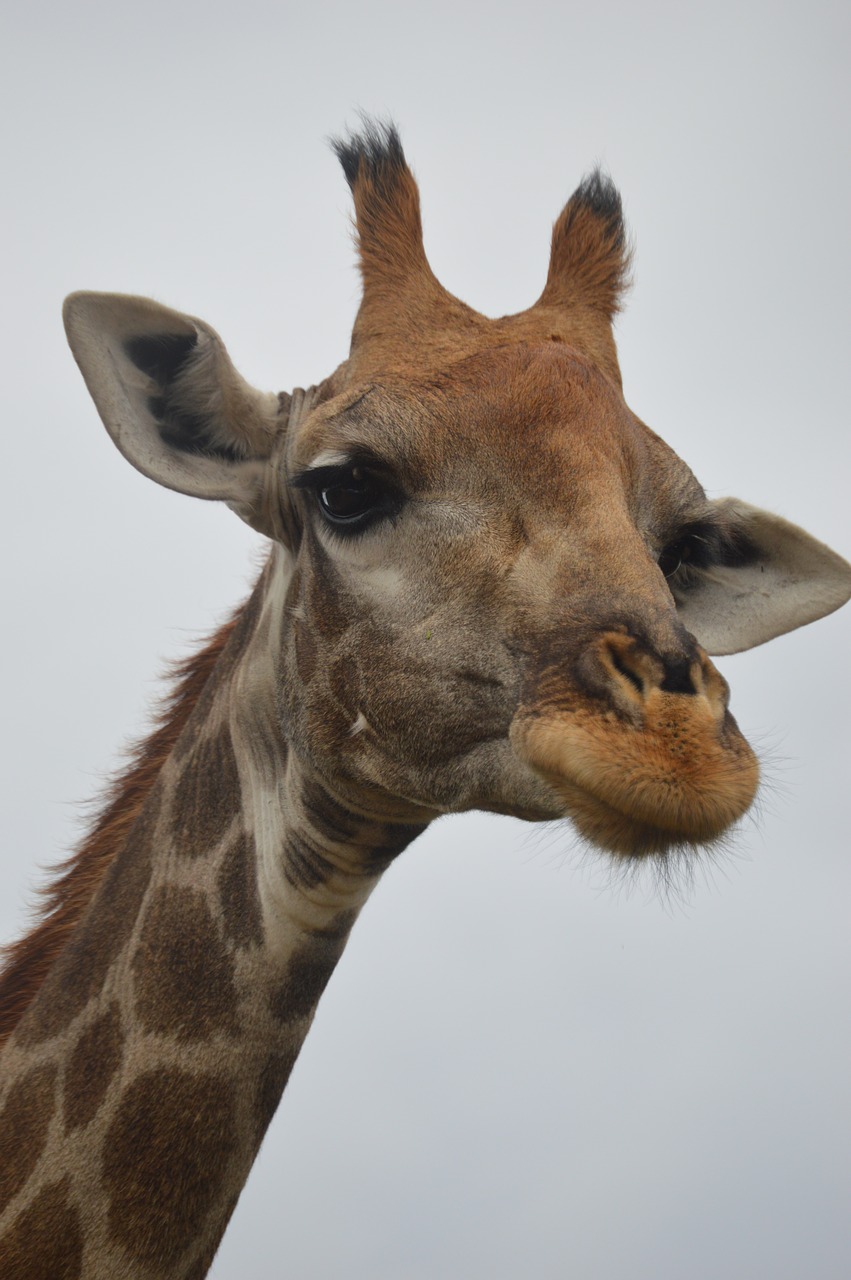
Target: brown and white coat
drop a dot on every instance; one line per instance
(489, 585)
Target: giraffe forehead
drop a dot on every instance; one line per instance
(388, 421)
(526, 451)
(515, 408)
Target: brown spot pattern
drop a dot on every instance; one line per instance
(393, 839)
(309, 969)
(305, 651)
(24, 1124)
(201, 1267)
(273, 1079)
(75, 883)
(93, 1062)
(345, 684)
(327, 604)
(327, 816)
(184, 975)
(165, 1160)
(293, 590)
(237, 885)
(80, 971)
(304, 867)
(336, 933)
(45, 1242)
(239, 632)
(207, 795)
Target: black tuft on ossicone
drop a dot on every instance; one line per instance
(599, 194)
(375, 151)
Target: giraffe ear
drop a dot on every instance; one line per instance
(776, 578)
(171, 399)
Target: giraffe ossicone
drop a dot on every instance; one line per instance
(489, 585)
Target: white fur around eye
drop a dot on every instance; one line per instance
(329, 458)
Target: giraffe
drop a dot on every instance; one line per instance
(489, 585)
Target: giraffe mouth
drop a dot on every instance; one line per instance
(680, 779)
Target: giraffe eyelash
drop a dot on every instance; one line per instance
(351, 496)
(701, 545)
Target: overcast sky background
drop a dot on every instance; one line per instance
(517, 1069)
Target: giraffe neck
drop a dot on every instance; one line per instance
(135, 1092)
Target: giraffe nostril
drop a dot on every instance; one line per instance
(630, 666)
(678, 676)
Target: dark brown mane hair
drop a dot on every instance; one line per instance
(27, 961)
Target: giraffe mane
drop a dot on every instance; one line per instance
(27, 961)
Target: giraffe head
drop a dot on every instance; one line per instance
(493, 586)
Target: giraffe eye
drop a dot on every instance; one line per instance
(675, 555)
(352, 496)
(697, 547)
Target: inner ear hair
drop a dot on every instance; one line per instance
(200, 405)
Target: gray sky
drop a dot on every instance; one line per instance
(517, 1070)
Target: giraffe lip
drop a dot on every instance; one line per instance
(617, 832)
(636, 790)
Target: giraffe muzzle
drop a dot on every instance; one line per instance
(642, 750)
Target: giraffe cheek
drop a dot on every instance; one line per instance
(304, 648)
